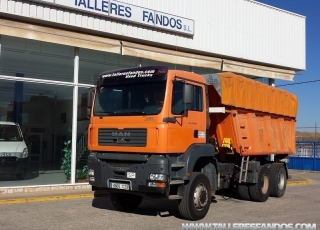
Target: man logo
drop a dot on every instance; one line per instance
(120, 140)
(120, 134)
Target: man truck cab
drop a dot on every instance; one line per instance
(13, 150)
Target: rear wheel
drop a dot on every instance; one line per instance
(243, 191)
(278, 180)
(124, 201)
(260, 191)
(196, 199)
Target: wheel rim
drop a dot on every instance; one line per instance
(281, 181)
(265, 184)
(200, 196)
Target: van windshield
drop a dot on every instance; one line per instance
(10, 133)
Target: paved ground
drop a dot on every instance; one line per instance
(300, 204)
(296, 177)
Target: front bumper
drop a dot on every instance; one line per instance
(13, 165)
(129, 175)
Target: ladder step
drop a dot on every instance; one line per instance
(244, 169)
(178, 165)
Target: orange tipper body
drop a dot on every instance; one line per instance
(259, 119)
(180, 135)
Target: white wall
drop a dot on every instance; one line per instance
(242, 29)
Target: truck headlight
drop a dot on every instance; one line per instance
(92, 156)
(91, 172)
(91, 175)
(158, 177)
(157, 184)
(25, 153)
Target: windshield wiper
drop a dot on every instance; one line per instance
(104, 113)
(136, 113)
(120, 113)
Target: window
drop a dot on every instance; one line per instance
(177, 104)
(36, 107)
(9, 132)
(35, 59)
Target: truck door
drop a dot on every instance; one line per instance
(188, 129)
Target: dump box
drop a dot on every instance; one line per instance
(259, 119)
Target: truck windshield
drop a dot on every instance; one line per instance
(10, 133)
(140, 98)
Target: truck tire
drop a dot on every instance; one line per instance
(260, 191)
(243, 191)
(124, 201)
(196, 199)
(278, 180)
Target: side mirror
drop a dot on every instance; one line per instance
(89, 101)
(187, 94)
(187, 97)
(90, 97)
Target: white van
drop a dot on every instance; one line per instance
(13, 150)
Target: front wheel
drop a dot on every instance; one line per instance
(124, 201)
(196, 199)
(22, 175)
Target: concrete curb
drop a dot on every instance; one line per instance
(45, 198)
(43, 188)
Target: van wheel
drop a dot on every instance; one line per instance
(261, 191)
(124, 201)
(22, 175)
(278, 180)
(243, 191)
(196, 199)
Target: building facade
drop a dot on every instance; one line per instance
(51, 52)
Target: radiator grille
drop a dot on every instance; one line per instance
(8, 159)
(124, 137)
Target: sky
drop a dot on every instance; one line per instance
(309, 93)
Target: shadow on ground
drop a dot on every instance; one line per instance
(149, 207)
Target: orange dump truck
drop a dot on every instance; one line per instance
(176, 134)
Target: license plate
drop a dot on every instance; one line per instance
(119, 186)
